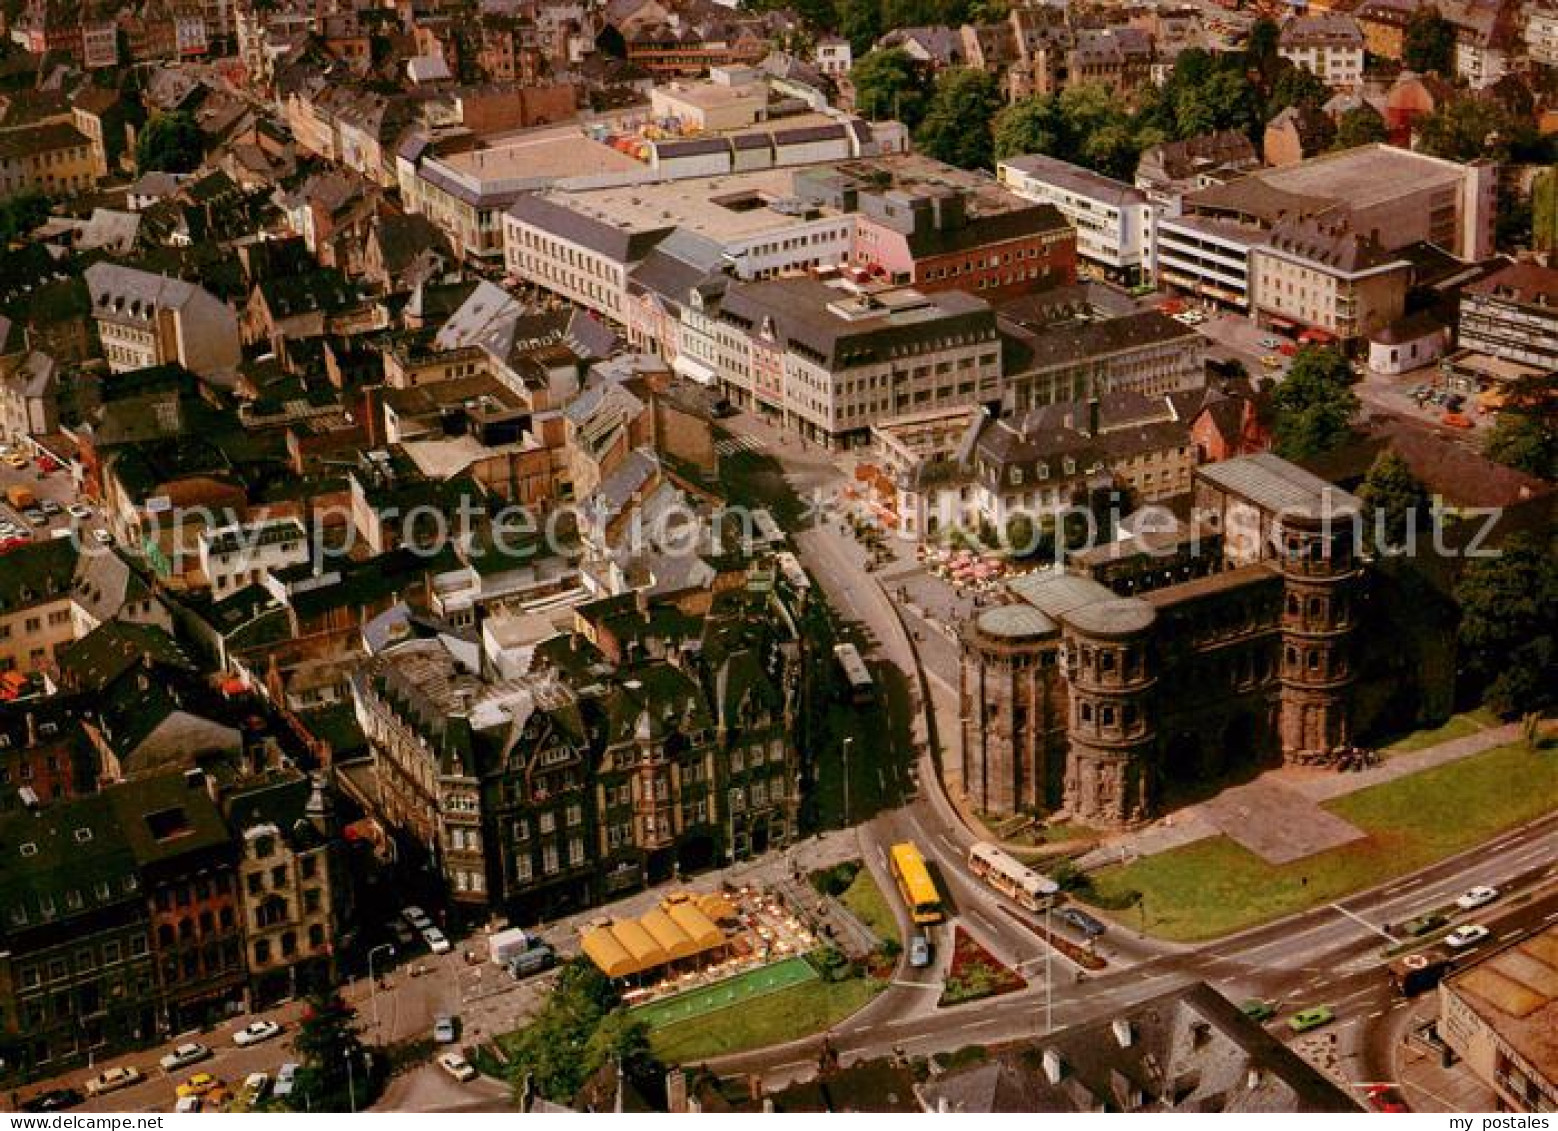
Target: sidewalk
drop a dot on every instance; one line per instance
(1197, 822)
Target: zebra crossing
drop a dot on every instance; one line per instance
(733, 444)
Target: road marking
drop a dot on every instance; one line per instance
(1408, 886)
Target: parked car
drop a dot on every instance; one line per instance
(49, 507)
(183, 1056)
(538, 958)
(435, 939)
(35, 516)
(416, 917)
(1259, 1010)
(919, 951)
(286, 1080)
(443, 1029)
(79, 510)
(1307, 1019)
(255, 1086)
(200, 1084)
(112, 1079)
(255, 1032)
(1469, 935)
(1383, 1098)
(401, 932)
(1454, 402)
(187, 1105)
(1477, 897)
(55, 1099)
(1270, 343)
(1082, 921)
(1422, 925)
(1271, 361)
(1458, 420)
(457, 1066)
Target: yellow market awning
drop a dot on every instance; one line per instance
(640, 944)
(717, 908)
(704, 934)
(603, 949)
(672, 939)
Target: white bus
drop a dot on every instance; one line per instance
(1011, 878)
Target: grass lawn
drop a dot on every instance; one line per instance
(784, 1016)
(1456, 726)
(741, 989)
(1214, 886)
(865, 899)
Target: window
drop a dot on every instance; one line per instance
(575, 852)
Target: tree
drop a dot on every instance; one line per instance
(1544, 210)
(860, 22)
(1260, 49)
(329, 1042)
(1464, 129)
(1032, 125)
(1509, 622)
(579, 1029)
(170, 143)
(1314, 405)
(20, 214)
(1362, 125)
(891, 84)
(1296, 86)
(957, 124)
(1525, 442)
(1428, 45)
(1395, 502)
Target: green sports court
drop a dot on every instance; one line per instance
(722, 995)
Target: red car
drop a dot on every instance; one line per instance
(1382, 1097)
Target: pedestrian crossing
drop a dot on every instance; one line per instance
(735, 444)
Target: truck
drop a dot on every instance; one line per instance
(20, 497)
(1414, 973)
(505, 946)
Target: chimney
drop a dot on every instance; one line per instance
(1054, 1067)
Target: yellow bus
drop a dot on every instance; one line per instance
(919, 890)
(1011, 878)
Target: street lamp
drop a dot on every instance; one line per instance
(848, 742)
(373, 983)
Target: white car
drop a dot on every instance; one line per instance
(286, 1080)
(436, 942)
(1463, 937)
(183, 1056)
(1477, 897)
(416, 917)
(102, 537)
(79, 510)
(187, 1105)
(457, 1066)
(112, 1079)
(255, 1086)
(255, 1032)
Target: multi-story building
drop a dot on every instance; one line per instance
(1392, 195)
(658, 736)
(1542, 34)
(144, 320)
(1330, 45)
(54, 158)
(1322, 275)
(1169, 170)
(1208, 257)
(1119, 58)
(1499, 1014)
(293, 883)
(829, 360)
(1175, 658)
(1513, 314)
(99, 44)
(241, 554)
(1050, 362)
(1113, 219)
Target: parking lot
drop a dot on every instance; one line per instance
(56, 507)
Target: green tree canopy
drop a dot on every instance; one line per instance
(1525, 442)
(329, 1043)
(1464, 129)
(1296, 86)
(579, 1029)
(957, 123)
(1509, 621)
(1361, 125)
(1031, 125)
(1544, 210)
(1428, 45)
(891, 84)
(1314, 405)
(170, 143)
(1260, 49)
(20, 214)
(1395, 502)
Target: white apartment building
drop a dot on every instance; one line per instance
(1113, 220)
(1206, 257)
(582, 257)
(232, 557)
(1542, 35)
(1328, 44)
(145, 319)
(1322, 274)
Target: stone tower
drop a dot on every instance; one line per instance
(1320, 574)
(1012, 703)
(1112, 675)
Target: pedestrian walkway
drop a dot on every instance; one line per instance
(737, 444)
(1240, 811)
